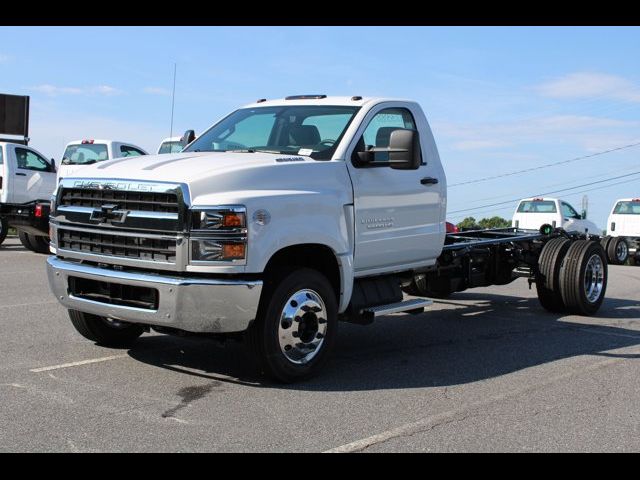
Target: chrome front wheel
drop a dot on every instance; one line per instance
(303, 326)
(593, 278)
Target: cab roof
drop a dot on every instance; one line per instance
(357, 101)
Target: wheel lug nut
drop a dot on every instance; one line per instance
(305, 308)
(316, 309)
(295, 334)
(287, 347)
(298, 319)
(322, 321)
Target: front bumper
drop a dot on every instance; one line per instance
(186, 303)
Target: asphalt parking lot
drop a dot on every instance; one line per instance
(486, 370)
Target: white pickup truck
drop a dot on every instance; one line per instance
(170, 145)
(80, 153)
(324, 209)
(534, 212)
(624, 225)
(27, 179)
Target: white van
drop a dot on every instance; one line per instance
(27, 180)
(532, 213)
(624, 221)
(85, 152)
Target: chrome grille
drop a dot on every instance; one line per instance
(122, 222)
(112, 244)
(127, 200)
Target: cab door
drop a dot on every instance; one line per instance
(399, 214)
(33, 177)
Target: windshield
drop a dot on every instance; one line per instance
(301, 130)
(85, 154)
(537, 206)
(171, 147)
(628, 208)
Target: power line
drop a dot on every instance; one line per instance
(603, 174)
(539, 167)
(510, 207)
(546, 193)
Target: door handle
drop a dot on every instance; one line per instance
(429, 181)
(22, 174)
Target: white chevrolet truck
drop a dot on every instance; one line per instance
(79, 153)
(27, 179)
(282, 219)
(624, 225)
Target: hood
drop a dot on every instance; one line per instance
(209, 174)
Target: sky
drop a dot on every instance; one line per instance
(499, 99)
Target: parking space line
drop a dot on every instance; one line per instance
(76, 364)
(432, 421)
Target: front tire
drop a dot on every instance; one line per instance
(296, 325)
(105, 332)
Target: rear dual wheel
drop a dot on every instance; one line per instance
(549, 265)
(35, 243)
(572, 276)
(617, 250)
(583, 277)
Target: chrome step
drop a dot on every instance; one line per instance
(407, 305)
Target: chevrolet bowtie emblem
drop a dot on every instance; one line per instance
(109, 213)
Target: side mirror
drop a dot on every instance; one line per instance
(53, 165)
(404, 150)
(188, 137)
(583, 215)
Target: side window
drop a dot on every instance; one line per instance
(1, 160)
(378, 132)
(28, 160)
(568, 211)
(128, 151)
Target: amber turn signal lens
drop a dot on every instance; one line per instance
(233, 220)
(233, 250)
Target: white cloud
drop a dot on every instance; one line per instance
(156, 91)
(52, 90)
(588, 132)
(590, 85)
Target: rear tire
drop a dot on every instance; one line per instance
(549, 265)
(25, 240)
(4, 229)
(617, 251)
(296, 325)
(105, 332)
(35, 243)
(583, 277)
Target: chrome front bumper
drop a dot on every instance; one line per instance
(191, 304)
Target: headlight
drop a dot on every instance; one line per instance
(219, 234)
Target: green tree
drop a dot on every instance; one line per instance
(468, 223)
(494, 222)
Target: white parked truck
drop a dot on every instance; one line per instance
(624, 225)
(535, 212)
(27, 179)
(170, 145)
(79, 153)
(283, 218)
